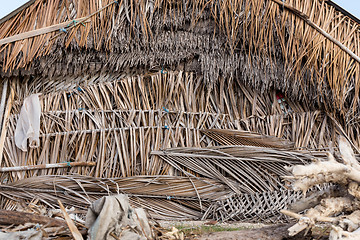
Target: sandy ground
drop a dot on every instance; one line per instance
(247, 231)
(265, 233)
(190, 224)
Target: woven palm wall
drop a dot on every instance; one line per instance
(158, 124)
(118, 123)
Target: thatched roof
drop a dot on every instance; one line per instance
(264, 43)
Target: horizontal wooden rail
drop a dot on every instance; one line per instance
(46, 166)
(37, 32)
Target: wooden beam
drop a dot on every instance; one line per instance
(46, 166)
(52, 28)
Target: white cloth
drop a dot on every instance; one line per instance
(28, 124)
(113, 214)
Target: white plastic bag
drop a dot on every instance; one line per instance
(28, 124)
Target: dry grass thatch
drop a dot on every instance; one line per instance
(264, 43)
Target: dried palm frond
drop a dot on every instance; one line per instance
(121, 141)
(244, 169)
(234, 137)
(179, 95)
(165, 197)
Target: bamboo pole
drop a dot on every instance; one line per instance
(6, 116)
(47, 166)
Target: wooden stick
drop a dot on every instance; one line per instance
(6, 116)
(38, 32)
(14, 217)
(3, 100)
(291, 214)
(304, 17)
(46, 166)
(73, 229)
(114, 236)
(142, 228)
(318, 218)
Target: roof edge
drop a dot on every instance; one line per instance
(343, 11)
(16, 11)
(329, 2)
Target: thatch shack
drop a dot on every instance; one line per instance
(143, 97)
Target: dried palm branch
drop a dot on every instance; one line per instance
(165, 197)
(118, 123)
(244, 169)
(234, 137)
